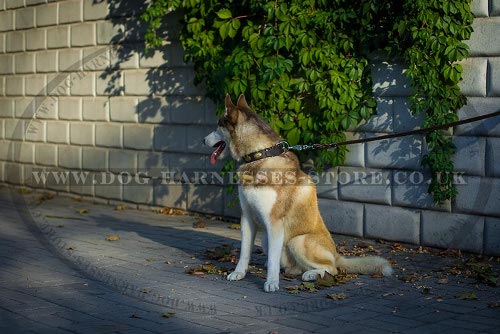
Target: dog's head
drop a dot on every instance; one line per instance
(239, 131)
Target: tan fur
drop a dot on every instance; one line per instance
(307, 243)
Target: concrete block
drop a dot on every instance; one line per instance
(36, 39)
(479, 8)
(176, 53)
(2, 43)
(138, 137)
(404, 152)
(46, 61)
(327, 183)
(109, 186)
(180, 162)
(188, 110)
(388, 77)
(96, 58)
(69, 157)
(24, 108)
(152, 163)
(194, 139)
(45, 108)
(47, 15)
(13, 173)
(81, 186)
(82, 133)
(479, 195)
(366, 185)
(457, 231)
(153, 110)
(15, 86)
(83, 34)
(123, 161)
(107, 32)
(382, 121)
(14, 129)
(34, 2)
(494, 76)
(25, 18)
(70, 11)
(154, 59)
(342, 217)
(95, 10)
(70, 108)
(139, 193)
(210, 112)
(6, 64)
(492, 236)
(473, 77)
(7, 20)
(494, 8)
(35, 85)
(169, 195)
(391, 223)
(410, 189)
(58, 84)
(232, 206)
(355, 156)
(24, 152)
(15, 41)
(470, 155)
(94, 159)
(123, 109)
(70, 60)
(14, 3)
(404, 120)
(107, 84)
(58, 132)
(136, 83)
(46, 154)
(205, 198)
(25, 63)
(130, 61)
(492, 159)
(96, 109)
(83, 83)
(109, 135)
(35, 130)
(476, 107)
(5, 152)
(485, 40)
(6, 107)
(170, 138)
(58, 37)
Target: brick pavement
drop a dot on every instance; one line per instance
(59, 274)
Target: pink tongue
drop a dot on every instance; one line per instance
(219, 148)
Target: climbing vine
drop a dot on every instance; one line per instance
(305, 66)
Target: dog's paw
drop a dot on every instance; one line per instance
(271, 286)
(235, 276)
(312, 275)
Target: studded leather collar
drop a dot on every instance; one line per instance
(272, 151)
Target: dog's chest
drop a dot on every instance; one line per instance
(258, 200)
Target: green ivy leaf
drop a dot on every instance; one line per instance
(224, 14)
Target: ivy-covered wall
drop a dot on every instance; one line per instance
(71, 101)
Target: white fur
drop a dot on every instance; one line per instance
(312, 275)
(365, 265)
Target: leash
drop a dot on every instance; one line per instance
(390, 136)
(284, 146)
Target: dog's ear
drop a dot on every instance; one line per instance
(242, 102)
(229, 103)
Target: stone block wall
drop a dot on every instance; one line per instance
(79, 94)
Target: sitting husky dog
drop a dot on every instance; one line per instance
(297, 239)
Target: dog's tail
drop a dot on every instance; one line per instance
(367, 265)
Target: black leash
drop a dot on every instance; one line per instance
(283, 146)
(393, 135)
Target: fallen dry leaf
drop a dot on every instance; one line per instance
(83, 211)
(466, 296)
(377, 276)
(168, 314)
(113, 238)
(121, 207)
(336, 296)
(136, 316)
(494, 304)
(70, 248)
(443, 281)
(235, 226)
(200, 224)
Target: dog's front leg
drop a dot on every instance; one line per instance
(248, 230)
(275, 237)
